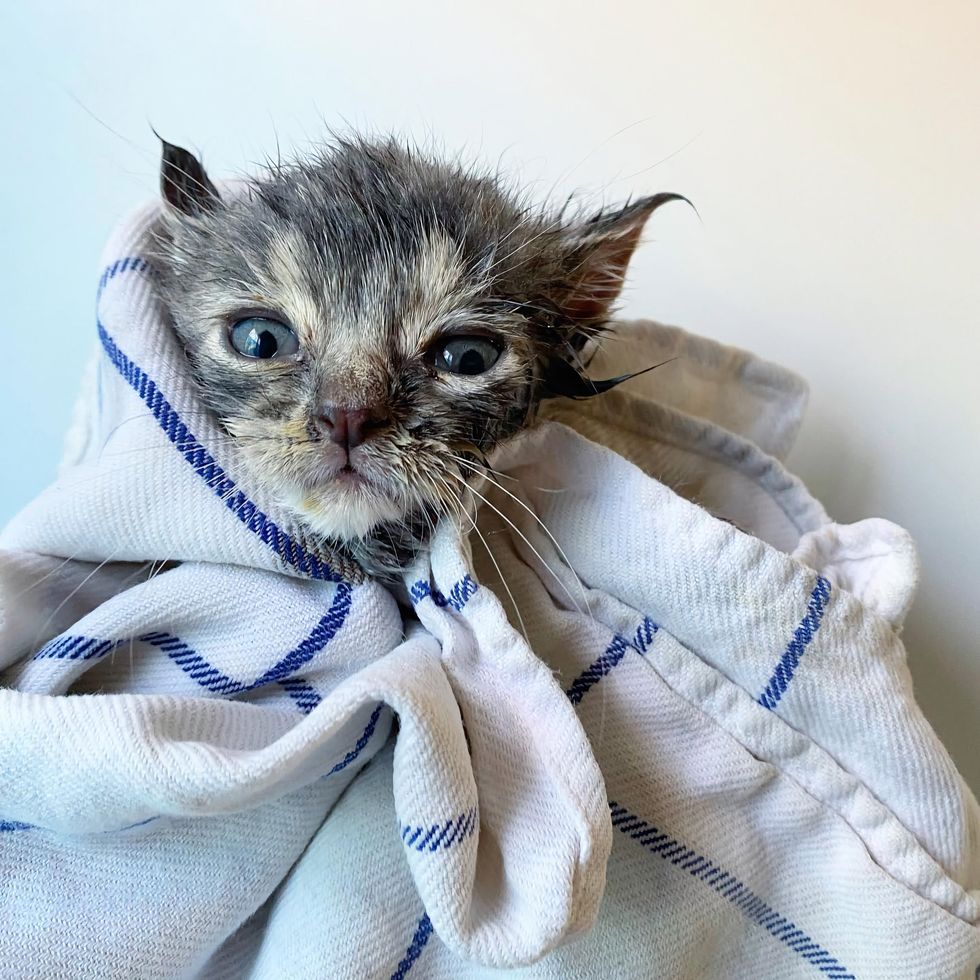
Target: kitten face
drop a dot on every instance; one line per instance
(415, 313)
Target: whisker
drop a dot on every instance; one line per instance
(561, 551)
(43, 578)
(54, 612)
(523, 537)
(503, 582)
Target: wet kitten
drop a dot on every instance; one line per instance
(369, 323)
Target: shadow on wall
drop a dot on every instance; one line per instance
(837, 468)
(934, 635)
(843, 472)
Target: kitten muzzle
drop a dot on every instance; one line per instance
(349, 427)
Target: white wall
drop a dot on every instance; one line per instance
(833, 151)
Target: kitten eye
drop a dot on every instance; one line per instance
(466, 355)
(260, 337)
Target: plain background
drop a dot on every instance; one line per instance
(832, 149)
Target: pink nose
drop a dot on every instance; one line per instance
(349, 426)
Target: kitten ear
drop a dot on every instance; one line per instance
(599, 251)
(183, 182)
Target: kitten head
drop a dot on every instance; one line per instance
(368, 323)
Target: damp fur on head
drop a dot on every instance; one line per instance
(373, 253)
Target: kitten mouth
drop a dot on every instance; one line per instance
(354, 478)
(348, 476)
(325, 473)
(345, 502)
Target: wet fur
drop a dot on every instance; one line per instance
(372, 252)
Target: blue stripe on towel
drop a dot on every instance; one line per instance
(440, 836)
(203, 463)
(9, 826)
(304, 694)
(783, 673)
(778, 682)
(730, 888)
(610, 657)
(422, 933)
(210, 678)
(458, 596)
(73, 647)
(598, 669)
(361, 743)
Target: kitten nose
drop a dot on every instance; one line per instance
(349, 426)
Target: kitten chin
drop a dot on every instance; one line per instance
(343, 510)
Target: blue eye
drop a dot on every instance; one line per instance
(466, 355)
(263, 338)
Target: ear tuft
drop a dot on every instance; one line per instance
(184, 184)
(562, 380)
(599, 253)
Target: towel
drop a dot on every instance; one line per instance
(649, 714)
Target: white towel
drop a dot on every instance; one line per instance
(671, 735)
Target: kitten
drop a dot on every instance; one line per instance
(368, 323)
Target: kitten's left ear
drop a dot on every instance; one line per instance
(183, 182)
(599, 252)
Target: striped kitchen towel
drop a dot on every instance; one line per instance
(649, 718)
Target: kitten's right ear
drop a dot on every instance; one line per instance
(183, 182)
